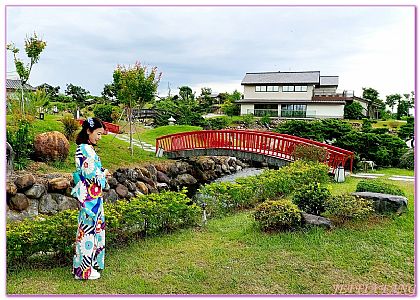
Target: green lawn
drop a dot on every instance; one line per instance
(230, 256)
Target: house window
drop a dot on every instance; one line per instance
(295, 88)
(266, 88)
(293, 110)
(260, 88)
(270, 110)
(288, 88)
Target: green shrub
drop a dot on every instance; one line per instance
(22, 142)
(116, 113)
(142, 216)
(311, 198)
(407, 160)
(346, 207)
(248, 119)
(277, 215)
(265, 120)
(221, 198)
(103, 112)
(378, 186)
(218, 123)
(353, 111)
(70, 127)
(310, 153)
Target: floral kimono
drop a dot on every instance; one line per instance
(89, 180)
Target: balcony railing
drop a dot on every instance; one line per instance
(338, 93)
(283, 113)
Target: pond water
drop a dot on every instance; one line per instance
(242, 173)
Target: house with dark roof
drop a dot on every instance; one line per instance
(13, 85)
(294, 95)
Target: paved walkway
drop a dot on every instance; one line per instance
(374, 176)
(143, 145)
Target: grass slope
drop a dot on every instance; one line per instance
(230, 256)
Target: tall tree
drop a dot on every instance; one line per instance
(78, 93)
(186, 93)
(51, 91)
(392, 100)
(135, 86)
(33, 48)
(371, 95)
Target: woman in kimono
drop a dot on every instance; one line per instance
(90, 180)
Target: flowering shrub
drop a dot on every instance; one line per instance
(347, 207)
(277, 215)
(146, 215)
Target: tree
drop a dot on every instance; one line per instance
(393, 99)
(205, 98)
(186, 94)
(353, 111)
(371, 95)
(33, 48)
(77, 93)
(109, 93)
(135, 86)
(51, 91)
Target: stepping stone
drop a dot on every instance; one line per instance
(364, 176)
(401, 179)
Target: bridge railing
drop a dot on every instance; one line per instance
(261, 142)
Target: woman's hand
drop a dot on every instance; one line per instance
(107, 174)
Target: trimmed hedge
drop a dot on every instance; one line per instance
(378, 186)
(146, 215)
(312, 198)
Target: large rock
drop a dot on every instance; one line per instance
(162, 177)
(162, 187)
(145, 172)
(121, 177)
(185, 179)
(147, 180)
(36, 191)
(68, 203)
(205, 163)
(130, 185)
(19, 202)
(152, 171)
(110, 196)
(58, 184)
(113, 182)
(142, 187)
(47, 205)
(33, 207)
(164, 168)
(25, 181)
(51, 146)
(314, 220)
(132, 175)
(11, 188)
(13, 215)
(121, 190)
(384, 203)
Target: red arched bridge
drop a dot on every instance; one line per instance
(270, 147)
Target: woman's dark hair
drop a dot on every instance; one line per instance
(91, 124)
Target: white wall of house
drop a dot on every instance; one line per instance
(245, 107)
(325, 111)
(364, 105)
(250, 93)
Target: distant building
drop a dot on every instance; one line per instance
(295, 95)
(13, 85)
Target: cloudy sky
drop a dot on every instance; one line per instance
(215, 46)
